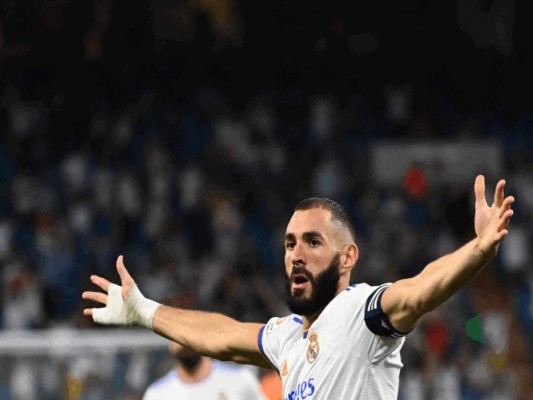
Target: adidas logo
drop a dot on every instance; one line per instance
(284, 370)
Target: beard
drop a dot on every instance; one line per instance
(323, 289)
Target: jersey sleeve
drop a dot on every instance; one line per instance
(375, 319)
(269, 341)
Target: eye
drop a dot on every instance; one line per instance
(314, 243)
(290, 245)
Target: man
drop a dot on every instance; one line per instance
(342, 341)
(199, 377)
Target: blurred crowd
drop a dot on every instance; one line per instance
(190, 164)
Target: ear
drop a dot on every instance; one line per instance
(349, 257)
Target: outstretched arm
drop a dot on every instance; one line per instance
(407, 300)
(210, 334)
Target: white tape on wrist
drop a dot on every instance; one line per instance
(137, 310)
(140, 309)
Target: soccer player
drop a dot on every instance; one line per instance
(199, 377)
(342, 341)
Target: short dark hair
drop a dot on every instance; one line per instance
(338, 212)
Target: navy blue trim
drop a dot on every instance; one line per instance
(262, 350)
(299, 320)
(260, 339)
(350, 287)
(305, 334)
(376, 320)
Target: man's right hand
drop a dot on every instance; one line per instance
(124, 305)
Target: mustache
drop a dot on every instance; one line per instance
(301, 271)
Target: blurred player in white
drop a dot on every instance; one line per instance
(198, 377)
(341, 342)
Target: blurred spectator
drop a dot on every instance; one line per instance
(22, 306)
(194, 376)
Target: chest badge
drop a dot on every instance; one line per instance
(314, 348)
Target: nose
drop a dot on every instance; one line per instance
(297, 255)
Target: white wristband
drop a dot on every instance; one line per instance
(141, 310)
(137, 310)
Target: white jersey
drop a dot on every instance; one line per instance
(338, 357)
(225, 382)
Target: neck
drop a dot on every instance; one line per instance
(309, 319)
(342, 285)
(197, 374)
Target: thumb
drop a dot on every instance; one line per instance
(479, 189)
(125, 276)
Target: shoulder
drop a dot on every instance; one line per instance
(277, 335)
(354, 294)
(354, 300)
(368, 296)
(283, 324)
(364, 290)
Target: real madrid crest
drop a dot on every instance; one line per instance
(314, 348)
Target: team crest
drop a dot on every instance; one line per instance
(314, 348)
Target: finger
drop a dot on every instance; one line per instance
(125, 276)
(506, 218)
(506, 205)
(501, 234)
(498, 193)
(507, 214)
(479, 189)
(95, 296)
(88, 311)
(102, 283)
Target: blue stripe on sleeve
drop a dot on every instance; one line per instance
(262, 350)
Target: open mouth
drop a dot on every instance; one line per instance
(299, 281)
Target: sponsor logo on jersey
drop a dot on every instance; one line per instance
(314, 348)
(304, 390)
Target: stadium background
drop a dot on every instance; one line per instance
(181, 133)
